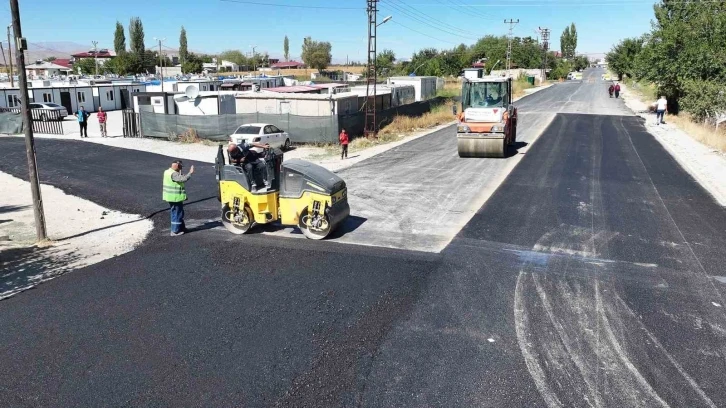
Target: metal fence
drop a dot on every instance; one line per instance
(131, 123)
(302, 129)
(46, 121)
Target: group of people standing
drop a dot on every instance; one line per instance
(82, 116)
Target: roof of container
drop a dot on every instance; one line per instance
(408, 78)
(330, 85)
(276, 95)
(293, 89)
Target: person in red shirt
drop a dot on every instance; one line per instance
(102, 121)
(344, 144)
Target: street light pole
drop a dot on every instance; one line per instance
(20, 44)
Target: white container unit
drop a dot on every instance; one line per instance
(424, 86)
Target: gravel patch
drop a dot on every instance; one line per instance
(81, 233)
(705, 164)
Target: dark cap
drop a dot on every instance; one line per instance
(177, 162)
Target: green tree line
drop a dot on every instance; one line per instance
(684, 55)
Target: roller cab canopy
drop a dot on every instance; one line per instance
(299, 176)
(485, 99)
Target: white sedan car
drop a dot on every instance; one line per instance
(262, 133)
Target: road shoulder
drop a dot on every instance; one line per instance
(703, 163)
(81, 233)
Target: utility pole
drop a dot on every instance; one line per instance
(371, 130)
(95, 55)
(545, 46)
(10, 57)
(161, 64)
(254, 59)
(511, 23)
(21, 45)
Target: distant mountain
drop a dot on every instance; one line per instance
(58, 49)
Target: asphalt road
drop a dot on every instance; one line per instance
(591, 276)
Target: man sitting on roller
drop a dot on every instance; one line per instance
(244, 155)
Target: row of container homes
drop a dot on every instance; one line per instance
(91, 97)
(230, 102)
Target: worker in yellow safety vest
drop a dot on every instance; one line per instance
(175, 194)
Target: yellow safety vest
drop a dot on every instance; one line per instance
(173, 192)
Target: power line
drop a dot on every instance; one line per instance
(422, 33)
(257, 3)
(433, 20)
(427, 24)
(474, 12)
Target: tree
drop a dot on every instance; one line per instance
(316, 54)
(685, 47)
(236, 57)
(286, 48)
(622, 57)
(123, 63)
(136, 33)
(385, 61)
(193, 64)
(183, 53)
(119, 39)
(568, 42)
(50, 59)
(85, 66)
(580, 62)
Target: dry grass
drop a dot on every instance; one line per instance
(701, 132)
(519, 86)
(189, 136)
(705, 134)
(400, 127)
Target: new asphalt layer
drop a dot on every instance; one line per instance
(591, 276)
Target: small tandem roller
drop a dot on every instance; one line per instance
(297, 193)
(488, 120)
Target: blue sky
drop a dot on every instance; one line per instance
(217, 25)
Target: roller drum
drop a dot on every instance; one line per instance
(481, 146)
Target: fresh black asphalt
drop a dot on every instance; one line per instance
(588, 278)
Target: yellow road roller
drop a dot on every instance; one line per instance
(297, 193)
(487, 123)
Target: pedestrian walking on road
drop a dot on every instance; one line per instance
(343, 144)
(102, 121)
(661, 107)
(82, 116)
(611, 89)
(175, 194)
(617, 90)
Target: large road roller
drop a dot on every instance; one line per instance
(487, 123)
(296, 192)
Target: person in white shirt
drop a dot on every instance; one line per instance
(661, 107)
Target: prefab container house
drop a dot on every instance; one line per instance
(425, 87)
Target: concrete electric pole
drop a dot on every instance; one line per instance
(10, 57)
(545, 46)
(161, 63)
(21, 46)
(95, 54)
(511, 23)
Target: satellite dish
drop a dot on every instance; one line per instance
(191, 92)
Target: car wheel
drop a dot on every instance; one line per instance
(287, 145)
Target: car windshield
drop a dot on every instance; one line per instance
(248, 130)
(53, 105)
(485, 94)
